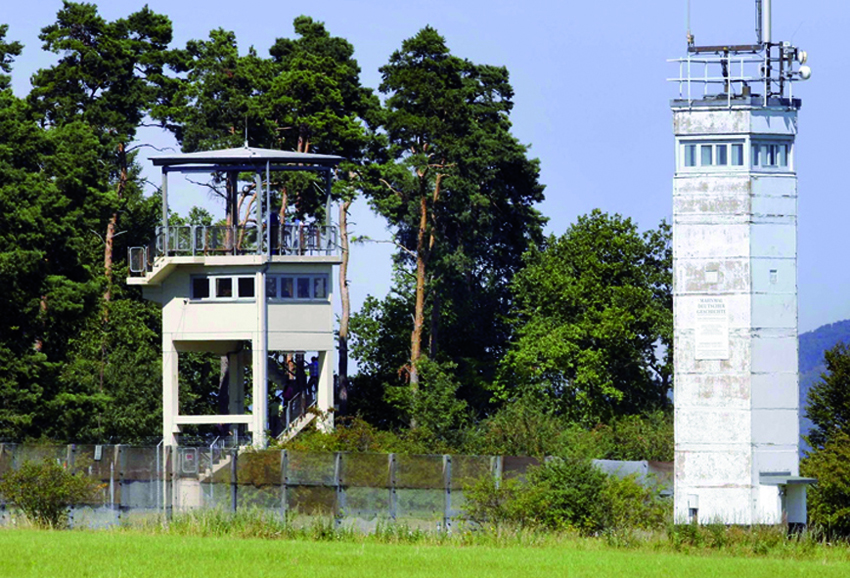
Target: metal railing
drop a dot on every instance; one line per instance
(732, 75)
(194, 240)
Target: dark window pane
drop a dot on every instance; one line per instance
(200, 288)
(286, 288)
(303, 287)
(271, 287)
(246, 286)
(721, 155)
(705, 155)
(224, 287)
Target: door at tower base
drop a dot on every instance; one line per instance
(711, 339)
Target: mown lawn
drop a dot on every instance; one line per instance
(33, 553)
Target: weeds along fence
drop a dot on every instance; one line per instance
(359, 490)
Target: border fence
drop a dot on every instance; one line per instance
(355, 489)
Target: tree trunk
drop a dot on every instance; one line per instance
(419, 307)
(346, 307)
(113, 222)
(435, 326)
(224, 385)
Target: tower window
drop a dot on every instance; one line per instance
(246, 286)
(305, 286)
(223, 287)
(690, 155)
(200, 288)
(712, 154)
(771, 155)
(271, 286)
(738, 155)
(220, 287)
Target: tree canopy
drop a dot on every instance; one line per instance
(593, 319)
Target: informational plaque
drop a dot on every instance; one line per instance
(712, 330)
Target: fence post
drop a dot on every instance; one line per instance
(496, 465)
(447, 485)
(339, 509)
(393, 496)
(233, 486)
(69, 462)
(122, 465)
(168, 479)
(284, 483)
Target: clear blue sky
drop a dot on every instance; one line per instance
(591, 99)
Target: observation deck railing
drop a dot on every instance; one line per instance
(201, 240)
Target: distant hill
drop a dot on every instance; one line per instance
(812, 346)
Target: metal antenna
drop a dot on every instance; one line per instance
(688, 22)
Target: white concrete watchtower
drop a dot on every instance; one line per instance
(250, 286)
(735, 283)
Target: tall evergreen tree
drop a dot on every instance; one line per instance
(109, 76)
(460, 193)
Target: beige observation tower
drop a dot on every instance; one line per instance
(245, 291)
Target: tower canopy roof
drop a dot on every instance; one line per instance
(243, 157)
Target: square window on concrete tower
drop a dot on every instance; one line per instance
(200, 288)
(705, 155)
(721, 155)
(738, 155)
(224, 287)
(690, 155)
(246, 287)
(303, 287)
(286, 288)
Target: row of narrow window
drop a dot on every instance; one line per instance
(722, 154)
(277, 287)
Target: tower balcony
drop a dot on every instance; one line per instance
(222, 245)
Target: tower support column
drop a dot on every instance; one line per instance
(170, 390)
(325, 393)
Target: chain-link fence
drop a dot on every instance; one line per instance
(360, 490)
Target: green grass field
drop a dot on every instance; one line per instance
(51, 554)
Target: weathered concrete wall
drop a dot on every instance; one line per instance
(735, 318)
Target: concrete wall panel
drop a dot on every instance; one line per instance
(711, 122)
(774, 240)
(776, 427)
(717, 391)
(739, 355)
(705, 241)
(713, 426)
(737, 310)
(772, 310)
(774, 354)
(774, 391)
(715, 469)
(774, 122)
(712, 276)
(774, 275)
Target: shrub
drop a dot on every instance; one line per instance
(45, 490)
(829, 498)
(568, 494)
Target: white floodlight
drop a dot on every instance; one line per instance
(805, 72)
(802, 56)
